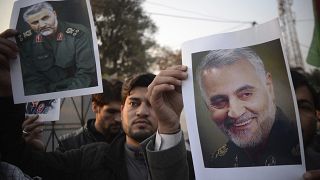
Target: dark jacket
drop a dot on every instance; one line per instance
(282, 148)
(312, 154)
(91, 162)
(85, 135)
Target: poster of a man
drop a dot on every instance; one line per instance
(57, 52)
(242, 105)
(242, 118)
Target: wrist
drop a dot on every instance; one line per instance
(174, 129)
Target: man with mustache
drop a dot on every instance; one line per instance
(151, 148)
(239, 94)
(55, 55)
(105, 126)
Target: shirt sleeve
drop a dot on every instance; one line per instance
(166, 141)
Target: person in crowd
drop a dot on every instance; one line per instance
(318, 112)
(11, 172)
(106, 125)
(307, 101)
(314, 79)
(239, 95)
(55, 55)
(150, 121)
(104, 128)
(163, 95)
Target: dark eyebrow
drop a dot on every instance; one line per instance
(140, 100)
(245, 87)
(134, 99)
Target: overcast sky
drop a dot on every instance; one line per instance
(182, 20)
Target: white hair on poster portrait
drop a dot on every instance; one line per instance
(242, 118)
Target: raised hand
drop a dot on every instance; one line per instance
(8, 50)
(32, 132)
(164, 94)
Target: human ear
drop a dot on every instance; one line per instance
(94, 107)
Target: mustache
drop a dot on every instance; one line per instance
(142, 120)
(229, 122)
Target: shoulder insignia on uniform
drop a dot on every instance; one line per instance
(24, 35)
(72, 31)
(221, 151)
(27, 33)
(295, 151)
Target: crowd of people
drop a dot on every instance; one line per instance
(136, 132)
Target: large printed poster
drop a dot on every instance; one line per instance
(58, 54)
(241, 116)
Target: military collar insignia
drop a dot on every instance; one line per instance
(24, 35)
(222, 151)
(39, 38)
(72, 31)
(60, 36)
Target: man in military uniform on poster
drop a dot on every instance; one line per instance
(239, 95)
(55, 55)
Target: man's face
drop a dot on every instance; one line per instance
(138, 118)
(44, 22)
(241, 104)
(307, 113)
(108, 117)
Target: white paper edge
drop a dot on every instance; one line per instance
(15, 66)
(258, 35)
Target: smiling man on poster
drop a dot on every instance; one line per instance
(55, 55)
(239, 95)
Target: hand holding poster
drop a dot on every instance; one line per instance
(242, 119)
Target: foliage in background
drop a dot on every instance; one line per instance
(164, 57)
(124, 32)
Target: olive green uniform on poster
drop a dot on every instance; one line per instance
(63, 62)
(281, 148)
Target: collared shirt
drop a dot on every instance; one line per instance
(136, 165)
(135, 161)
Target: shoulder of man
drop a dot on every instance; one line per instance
(74, 30)
(93, 155)
(75, 139)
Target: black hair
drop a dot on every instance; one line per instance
(299, 79)
(111, 92)
(138, 80)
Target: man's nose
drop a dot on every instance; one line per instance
(42, 23)
(143, 110)
(236, 108)
(117, 117)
